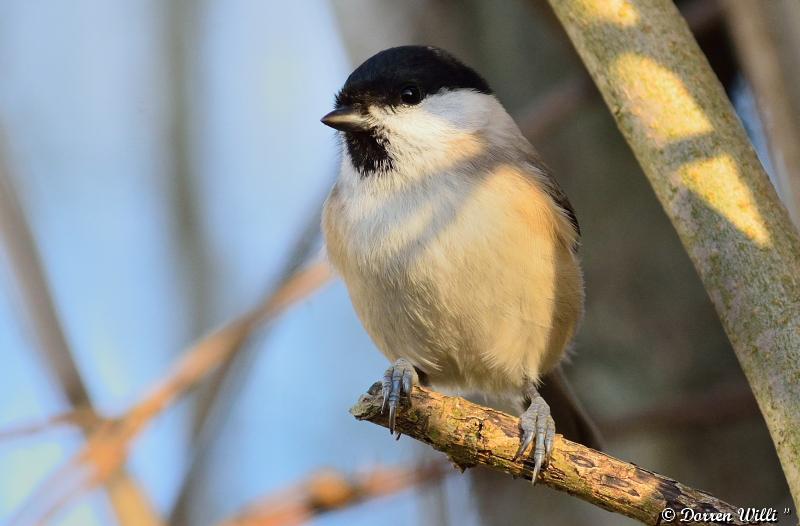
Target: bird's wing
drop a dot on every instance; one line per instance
(555, 192)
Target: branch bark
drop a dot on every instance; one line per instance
(473, 435)
(674, 114)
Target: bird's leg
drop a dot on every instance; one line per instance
(398, 380)
(536, 423)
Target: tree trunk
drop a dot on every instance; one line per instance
(674, 114)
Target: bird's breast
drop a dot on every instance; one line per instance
(458, 275)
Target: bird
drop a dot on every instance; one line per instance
(457, 246)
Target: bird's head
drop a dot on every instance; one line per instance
(411, 110)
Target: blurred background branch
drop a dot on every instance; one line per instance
(329, 490)
(106, 449)
(130, 502)
(225, 383)
(34, 294)
(83, 417)
(717, 405)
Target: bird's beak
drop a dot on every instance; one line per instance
(347, 119)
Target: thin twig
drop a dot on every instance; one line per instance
(83, 417)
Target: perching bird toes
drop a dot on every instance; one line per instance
(398, 381)
(537, 426)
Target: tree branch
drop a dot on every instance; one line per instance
(679, 123)
(472, 435)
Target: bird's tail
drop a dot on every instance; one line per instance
(570, 417)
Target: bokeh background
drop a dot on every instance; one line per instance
(162, 168)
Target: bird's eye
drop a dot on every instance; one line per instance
(411, 95)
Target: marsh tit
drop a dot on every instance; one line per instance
(457, 246)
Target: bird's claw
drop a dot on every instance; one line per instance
(536, 423)
(398, 380)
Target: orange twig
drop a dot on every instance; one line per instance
(213, 350)
(330, 490)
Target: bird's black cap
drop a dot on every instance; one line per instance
(380, 79)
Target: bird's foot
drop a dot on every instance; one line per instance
(536, 423)
(398, 381)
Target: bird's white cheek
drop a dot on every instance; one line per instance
(444, 131)
(421, 142)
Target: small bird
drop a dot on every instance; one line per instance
(456, 244)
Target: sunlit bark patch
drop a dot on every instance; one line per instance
(658, 99)
(619, 12)
(733, 200)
